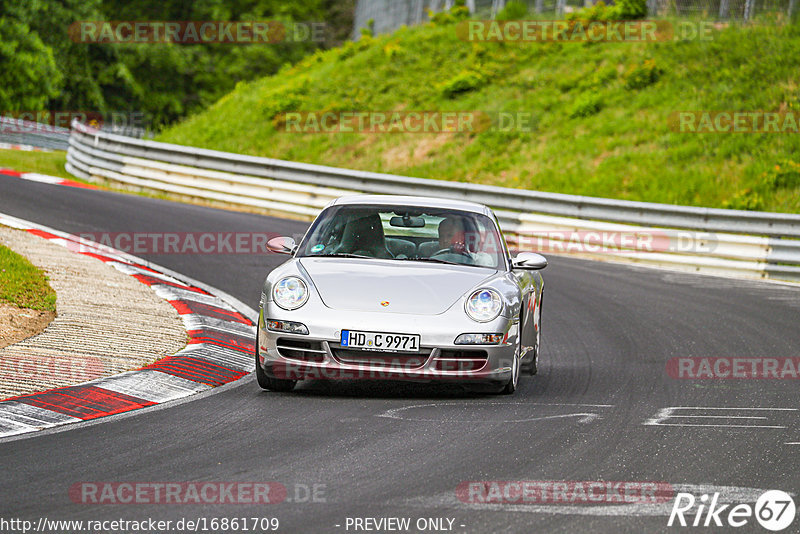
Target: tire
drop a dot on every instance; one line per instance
(535, 365)
(511, 385)
(269, 383)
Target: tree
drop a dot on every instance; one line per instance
(30, 77)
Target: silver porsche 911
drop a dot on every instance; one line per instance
(400, 288)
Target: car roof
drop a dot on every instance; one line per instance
(408, 200)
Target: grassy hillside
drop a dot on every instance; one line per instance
(600, 111)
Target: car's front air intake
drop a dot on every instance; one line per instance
(300, 349)
(461, 360)
(395, 360)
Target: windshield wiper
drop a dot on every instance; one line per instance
(339, 255)
(446, 262)
(432, 260)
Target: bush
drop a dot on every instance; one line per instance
(621, 10)
(390, 50)
(631, 9)
(457, 13)
(463, 82)
(368, 30)
(290, 97)
(640, 76)
(784, 174)
(747, 199)
(586, 105)
(598, 11)
(514, 10)
(30, 75)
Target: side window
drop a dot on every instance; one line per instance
(489, 240)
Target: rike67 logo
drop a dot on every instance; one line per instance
(774, 510)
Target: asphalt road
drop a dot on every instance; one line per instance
(401, 450)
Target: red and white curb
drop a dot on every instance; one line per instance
(220, 349)
(45, 178)
(24, 148)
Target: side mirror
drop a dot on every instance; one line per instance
(282, 245)
(529, 260)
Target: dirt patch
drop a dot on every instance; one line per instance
(415, 151)
(17, 324)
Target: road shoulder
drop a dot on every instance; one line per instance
(106, 323)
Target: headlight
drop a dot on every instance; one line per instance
(479, 339)
(484, 305)
(290, 293)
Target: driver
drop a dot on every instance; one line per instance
(453, 238)
(452, 235)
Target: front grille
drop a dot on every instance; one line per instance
(300, 349)
(396, 360)
(461, 360)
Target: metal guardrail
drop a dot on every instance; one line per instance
(18, 132)
(14, 131)
(714, 241)
(385, 16)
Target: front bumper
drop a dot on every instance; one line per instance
(319, 355)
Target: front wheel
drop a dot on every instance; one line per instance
(531, 366)
(267, 382)
(535, 367)
(511, 385)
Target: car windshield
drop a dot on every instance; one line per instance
(406, 234)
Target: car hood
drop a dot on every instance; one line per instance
(408, 287)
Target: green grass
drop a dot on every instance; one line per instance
(600, 114)
(50, 163)
(23, 284)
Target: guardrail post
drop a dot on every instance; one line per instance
(749, 6)
(497, 5)
(724, 9)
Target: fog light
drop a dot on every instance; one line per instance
(479, 339)
(287, 326)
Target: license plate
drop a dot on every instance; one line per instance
(384, 341)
